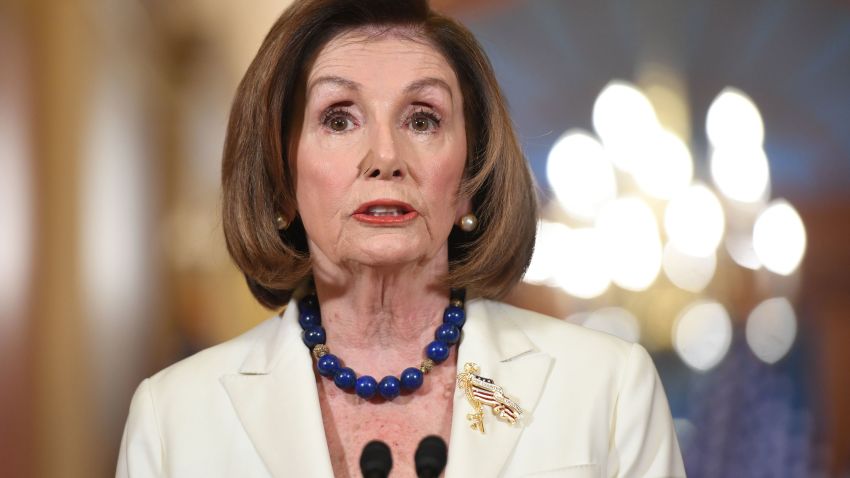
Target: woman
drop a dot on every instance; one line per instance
(371, 176)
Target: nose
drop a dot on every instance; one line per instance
(383, 160)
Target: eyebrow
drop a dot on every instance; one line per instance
(419, 85)
(334, 80)
(416, 86)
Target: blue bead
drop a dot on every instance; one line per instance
(389, 387)
(366, 387)
(454, 315)
(447, 333)
(313, 336)
(411, 378)
(328, 364)
(309, 302)
(308, 317)
(437, 351)
(345, 378)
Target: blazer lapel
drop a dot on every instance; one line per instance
(505, 354)
(276, 399)
(275, 396)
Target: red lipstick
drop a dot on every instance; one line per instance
(385, 212)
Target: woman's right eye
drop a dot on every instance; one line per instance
(338, 121)
(339, 124)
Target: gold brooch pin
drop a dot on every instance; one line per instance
(483, 391)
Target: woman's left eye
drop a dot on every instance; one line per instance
(425, 122)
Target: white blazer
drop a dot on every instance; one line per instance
(249, 407)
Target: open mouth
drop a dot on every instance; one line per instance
(385, 212)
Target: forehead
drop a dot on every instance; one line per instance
(381, 60)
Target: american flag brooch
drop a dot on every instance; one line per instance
(483, 391)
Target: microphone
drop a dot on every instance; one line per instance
(376, 460)
(430, 457)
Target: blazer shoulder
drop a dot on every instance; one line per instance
(557, 336)
(214, 361)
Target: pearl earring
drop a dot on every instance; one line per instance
(469, 222)
(281, 222)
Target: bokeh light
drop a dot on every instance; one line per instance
(741, 173)
(779, 237)
(578, 269)
(771, 329)
(694, 221)
(740, 248)
(734, 121)
(616, 321)
(691, 273)
(625, 120)
(16, 208)
(667, 170)
(629, 232)
(549, 245)
(702, 335)
(580, 174)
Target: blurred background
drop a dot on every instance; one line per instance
(693, 162)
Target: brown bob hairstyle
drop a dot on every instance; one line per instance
(257, 180)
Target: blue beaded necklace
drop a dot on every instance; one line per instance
(365, 386)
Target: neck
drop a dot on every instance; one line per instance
(379, 319)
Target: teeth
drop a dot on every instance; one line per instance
(385, 211)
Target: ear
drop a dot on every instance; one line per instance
(464, 207)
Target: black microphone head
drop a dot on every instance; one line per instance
(376, 459)
(431, 456)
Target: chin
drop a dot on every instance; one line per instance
(386, 253)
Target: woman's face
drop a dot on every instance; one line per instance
(380, 152)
